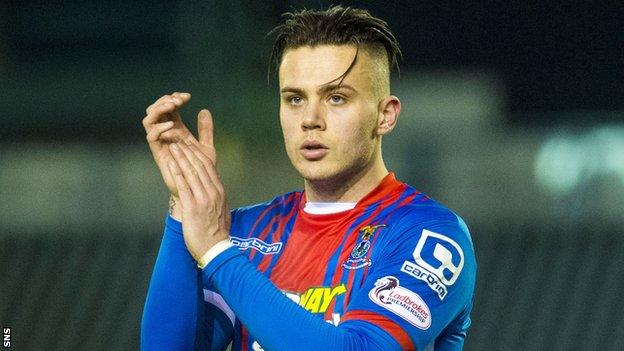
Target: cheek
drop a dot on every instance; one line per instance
(355, 141)
(286, 122)
(360, 136)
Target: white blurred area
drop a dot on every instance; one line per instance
(570, 161)
(452, 142)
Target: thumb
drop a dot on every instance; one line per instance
(205, 128)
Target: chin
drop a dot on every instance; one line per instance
(312, 173)
(320, 173)
(316, 171)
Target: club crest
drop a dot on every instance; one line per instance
(358, 257)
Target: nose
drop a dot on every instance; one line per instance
(313, 117)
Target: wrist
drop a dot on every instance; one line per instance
(213, 252)
(174, 208)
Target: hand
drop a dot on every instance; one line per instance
(164, 126)
(205, 214)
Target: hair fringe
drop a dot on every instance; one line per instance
(337, 25)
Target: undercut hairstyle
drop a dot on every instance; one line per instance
(337, 25)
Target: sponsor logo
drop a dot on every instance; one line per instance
(358, 258)
(255, 243)
(318, 299)
(438, 262)
(405, 303)
(432, 280)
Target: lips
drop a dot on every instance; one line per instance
(313, 150)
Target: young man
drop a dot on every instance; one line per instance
(357, 261)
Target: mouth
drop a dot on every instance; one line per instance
(313, 150)
(312, 145)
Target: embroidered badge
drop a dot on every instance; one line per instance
(358, 257)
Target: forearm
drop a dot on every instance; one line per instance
(277, 322)
(171, 308)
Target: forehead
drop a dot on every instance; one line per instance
(312, 66)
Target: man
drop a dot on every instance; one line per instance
(357, 261)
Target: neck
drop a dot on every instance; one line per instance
(349, 187)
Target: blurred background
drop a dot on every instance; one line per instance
(513, 116)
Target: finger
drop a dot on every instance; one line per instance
(184, 191)
(180, 98)
(176, 135)
(206, 159)
(160, 101)
(177, 98)
(190, 173)
(205, 128)
(156, 113)
(210, 166)
(157, 129)
(198, 165)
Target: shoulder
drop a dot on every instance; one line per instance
(430, 233)
(279, 205)
(429, 242)
(424, 212)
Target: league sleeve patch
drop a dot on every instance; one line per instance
(405, 303)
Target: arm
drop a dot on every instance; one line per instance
(277, 322)
(175, 316)
(171, 308)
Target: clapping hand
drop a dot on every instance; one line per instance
(188, 167)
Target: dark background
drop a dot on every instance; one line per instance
(512, 116)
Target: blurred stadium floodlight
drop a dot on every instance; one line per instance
(569, 160)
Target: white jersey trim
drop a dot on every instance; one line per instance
(217, 300)
(328, 207)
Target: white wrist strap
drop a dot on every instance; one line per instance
(213, 252)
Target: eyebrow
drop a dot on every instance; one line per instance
(322, 89)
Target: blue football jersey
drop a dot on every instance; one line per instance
(396, 272)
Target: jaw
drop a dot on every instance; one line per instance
(330, 180)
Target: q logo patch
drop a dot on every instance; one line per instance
(438, 261)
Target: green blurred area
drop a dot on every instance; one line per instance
(83, 204)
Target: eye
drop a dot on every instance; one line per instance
(337, 99)
(295, 100)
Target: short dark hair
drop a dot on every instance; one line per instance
(337, 25)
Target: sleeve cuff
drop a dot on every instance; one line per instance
(225, 256)
(213, 252)
(173, 224)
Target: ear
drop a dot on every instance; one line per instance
(389, 110)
